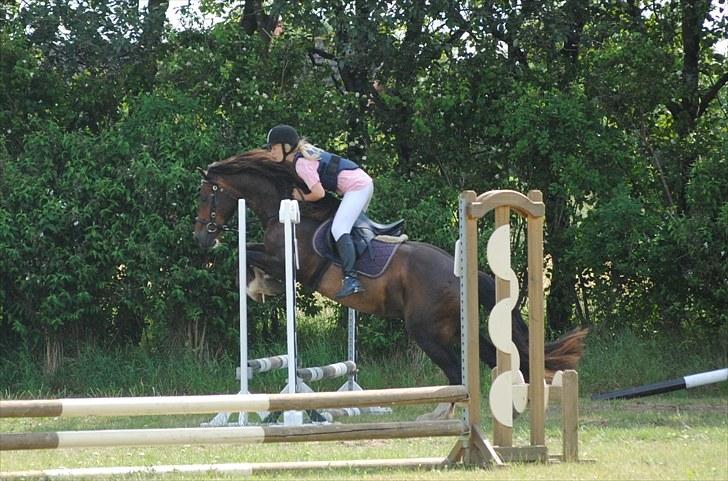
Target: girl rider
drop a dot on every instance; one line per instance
(323, 171)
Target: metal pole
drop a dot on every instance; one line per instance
(352, 345)
(243, 283)
(288, 215)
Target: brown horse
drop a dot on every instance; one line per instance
(418, 286)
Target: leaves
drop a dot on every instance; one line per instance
(102, 127)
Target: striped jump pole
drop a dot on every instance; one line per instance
(228, 435)
(685, 382)
(306, 374)
(266, 364)
(168, 405)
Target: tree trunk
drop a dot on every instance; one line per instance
(53, 353)
(561, 295)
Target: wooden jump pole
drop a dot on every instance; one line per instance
(229, 435)
(243, 469)
(168, 405)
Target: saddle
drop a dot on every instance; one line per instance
(365, 230)
(375, 244)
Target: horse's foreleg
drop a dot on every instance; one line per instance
(262, 273)
(271, 265)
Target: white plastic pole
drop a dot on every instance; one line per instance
(243, 283)
(352, 345)
(288, 215)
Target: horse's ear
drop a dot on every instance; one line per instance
(202, 172)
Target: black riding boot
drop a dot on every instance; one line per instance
(347, 254)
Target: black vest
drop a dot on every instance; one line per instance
(329, 167)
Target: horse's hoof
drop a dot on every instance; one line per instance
(441, 412)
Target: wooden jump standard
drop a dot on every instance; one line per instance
(509, 391)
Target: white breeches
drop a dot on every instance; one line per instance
(353, 204)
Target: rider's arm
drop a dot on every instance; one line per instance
(317, 193)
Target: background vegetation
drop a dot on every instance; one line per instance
(617, 111)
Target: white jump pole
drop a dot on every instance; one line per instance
(289, 215)
(243, 307)
(351, 339)
(221, 419)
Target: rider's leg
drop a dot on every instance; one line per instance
(347, 254)
(351, 206)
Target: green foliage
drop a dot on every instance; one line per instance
(107, 247)
(104, 121)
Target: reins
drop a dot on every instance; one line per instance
(211, 225)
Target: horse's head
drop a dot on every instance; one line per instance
(216, 207)
(255, 177)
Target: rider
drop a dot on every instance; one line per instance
(323, 171)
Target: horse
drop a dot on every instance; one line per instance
(418, 286)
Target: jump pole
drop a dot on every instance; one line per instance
(685, 382)
(228, 435)
(244, 469)
(176, 405)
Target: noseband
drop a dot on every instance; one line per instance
(212, 226)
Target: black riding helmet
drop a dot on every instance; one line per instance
(283, 134)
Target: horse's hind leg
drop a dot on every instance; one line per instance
(487, 352)
(450, 365)
(442, 356)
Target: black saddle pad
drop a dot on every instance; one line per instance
(372, 263)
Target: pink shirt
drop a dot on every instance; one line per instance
(348, 180)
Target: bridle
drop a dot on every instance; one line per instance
(212, 226)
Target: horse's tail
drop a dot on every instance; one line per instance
(563, 353)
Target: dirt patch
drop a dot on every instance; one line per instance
(659, 406)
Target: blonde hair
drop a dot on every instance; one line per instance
(308, 150)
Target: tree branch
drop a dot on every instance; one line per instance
(711, 94)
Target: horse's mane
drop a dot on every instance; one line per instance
(283, 176)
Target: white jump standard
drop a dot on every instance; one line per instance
(289, 216)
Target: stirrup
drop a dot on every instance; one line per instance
(351, 285)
